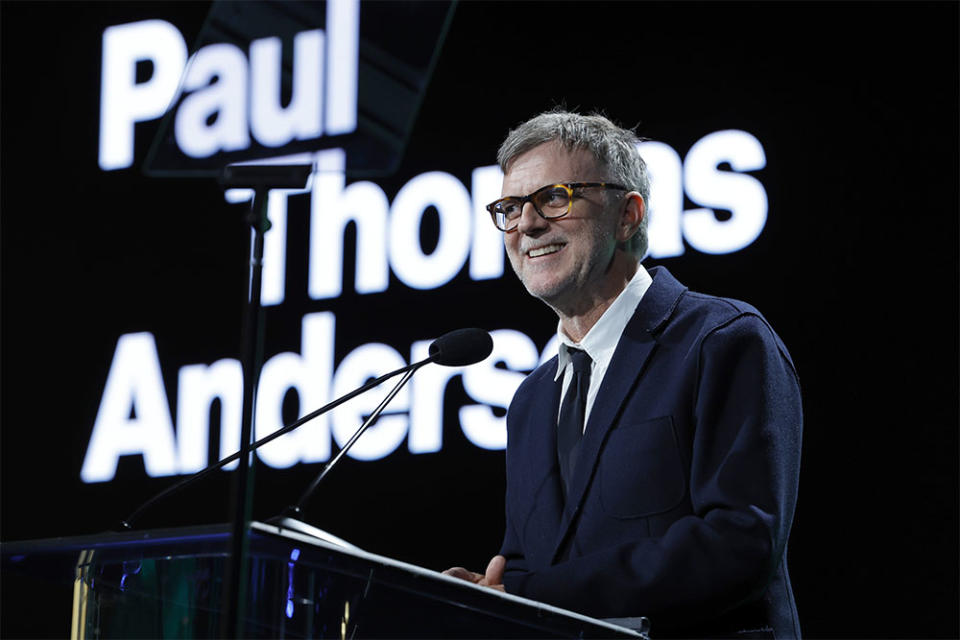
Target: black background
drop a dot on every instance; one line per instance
(856, 106)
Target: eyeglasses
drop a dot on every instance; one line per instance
(552, 201)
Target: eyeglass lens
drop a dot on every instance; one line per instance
(551, 201)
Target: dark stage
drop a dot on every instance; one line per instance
(855, 108)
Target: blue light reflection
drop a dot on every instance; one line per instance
(294, 556)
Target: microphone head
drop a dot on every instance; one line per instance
(461, 347)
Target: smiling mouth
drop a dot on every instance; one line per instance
(542, 251)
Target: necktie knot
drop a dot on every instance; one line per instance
(580, 360)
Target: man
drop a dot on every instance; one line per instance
(652, 466)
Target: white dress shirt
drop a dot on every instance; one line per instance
(602, 339)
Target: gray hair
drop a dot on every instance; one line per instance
(614, 148)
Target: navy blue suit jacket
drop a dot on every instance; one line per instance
(684, 491)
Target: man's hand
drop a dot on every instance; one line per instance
(493, 577)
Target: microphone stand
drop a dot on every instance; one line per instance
(261, 178)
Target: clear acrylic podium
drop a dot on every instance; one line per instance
(168, 583)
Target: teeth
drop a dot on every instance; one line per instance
(542, 251)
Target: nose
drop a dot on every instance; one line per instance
(531, 222)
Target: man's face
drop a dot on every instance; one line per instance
(563, 260)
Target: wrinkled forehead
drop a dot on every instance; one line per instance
(549, 163)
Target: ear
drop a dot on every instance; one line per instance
(632, 212)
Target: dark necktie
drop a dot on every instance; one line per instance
(572, 411)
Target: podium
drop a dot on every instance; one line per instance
(301, 583)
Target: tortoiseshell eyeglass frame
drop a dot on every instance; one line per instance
(500, 218)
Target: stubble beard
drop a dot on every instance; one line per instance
(572, 295)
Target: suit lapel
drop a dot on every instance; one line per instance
(536, 467)
(544, 449)
(635, 347)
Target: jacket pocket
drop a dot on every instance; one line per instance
(640, 469)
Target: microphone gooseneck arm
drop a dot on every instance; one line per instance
(294, 510)
(127, 523)
(454, 349)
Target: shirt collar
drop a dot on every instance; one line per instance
(601, 341)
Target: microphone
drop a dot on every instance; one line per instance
(461, 347)
(457, 348)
